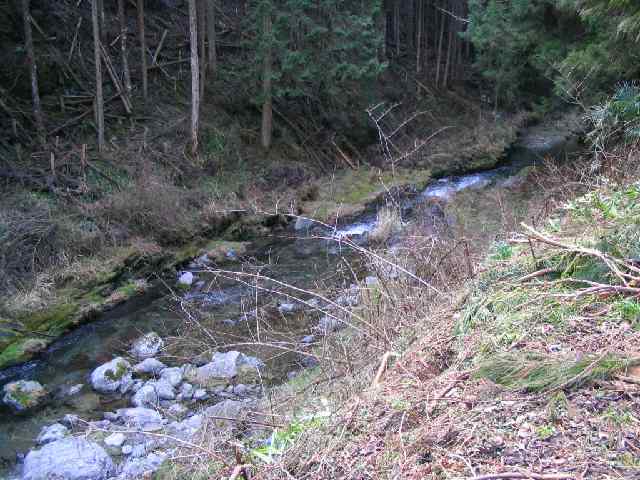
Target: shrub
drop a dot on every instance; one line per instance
(36, 234)
(153, 207)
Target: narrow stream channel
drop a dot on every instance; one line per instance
(304, 262)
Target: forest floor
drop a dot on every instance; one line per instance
(527, 370)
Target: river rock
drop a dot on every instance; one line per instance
(147, 396)
(178, 411)
(227, 414)
(172, 375)
(115, 440)
(185, 279)
(112, 377)
(224, 367)
(70, 458)
(164, 389)
(328, 324)
(142, 467)
(303, 223)
(289, 308)
(147, 346)
(52, 433)
(140, 418)
(186, 390)
(149, 366)
(186, 429)
(200, 394)
(24, 395)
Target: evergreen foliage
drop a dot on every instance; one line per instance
(321, 50)
(532, 46)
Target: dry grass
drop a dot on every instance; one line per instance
(389, 223)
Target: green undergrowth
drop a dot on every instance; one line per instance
(529, 372)
(527, 311)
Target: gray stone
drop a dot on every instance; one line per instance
(149, 366)
(308, 339)
(186, 390)
(143, 419)
(227, 414)
(177, 410)
(112, 417)
(70, 458)
(137, 385)
(289, 308)
(164, 389)
(172, 375)
(70, 420)
(185, 279)
(303, 223)
(112, 377)
(328, 324)
(147, 396)
(147, 346)
(115, 440)
(224, 367)
(127, 450)
(24, 395)
(138, 468)
(241, 389)
(52, 433)
(187, 428)
(72, 391)
(200, 394)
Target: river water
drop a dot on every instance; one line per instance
(226, 306)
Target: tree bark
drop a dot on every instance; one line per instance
(143, 49)
(267, 106)
(98, 63)
(195, 75)
(440, 44)
(396, 25)
(202, 37)
(123, 47)
(33, 71)
(419, 38)
(211, 36)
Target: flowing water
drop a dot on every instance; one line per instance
(308, 263)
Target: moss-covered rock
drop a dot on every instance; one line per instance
(24, 395)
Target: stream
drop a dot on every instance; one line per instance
(298, 258)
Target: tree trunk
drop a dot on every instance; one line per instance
(419, 38)
(202, 37)
(195, 75)
(98, 62)
(143, 49)
(123, 47)
(440, 44)
(33, 70)
(211, 36)
(396, 26)
(267, 106)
